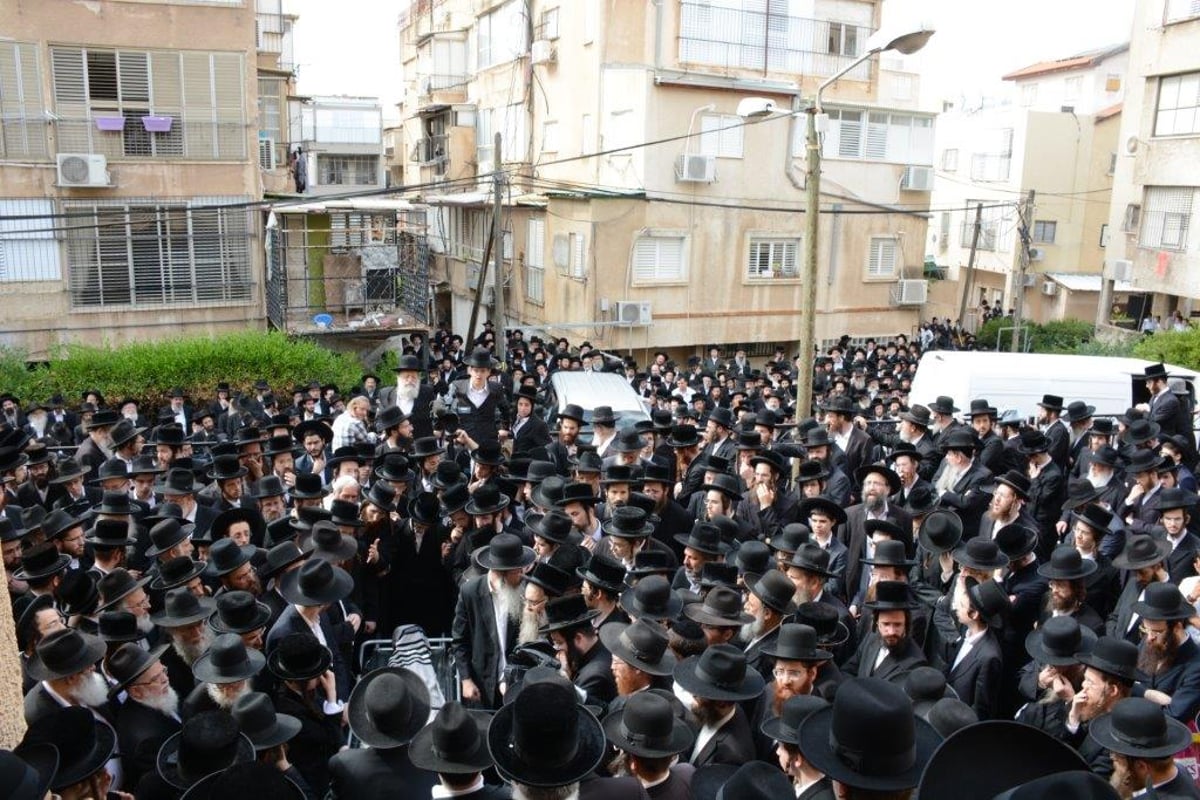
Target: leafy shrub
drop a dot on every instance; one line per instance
(147, 371)
(1059, 336)
(1181, 348)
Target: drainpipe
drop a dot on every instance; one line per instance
(789, 163)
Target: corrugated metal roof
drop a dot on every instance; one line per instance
(1082, 60)
(1078, 282)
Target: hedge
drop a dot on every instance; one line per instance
(1181, 348)
(1058, 336)
(147, 371)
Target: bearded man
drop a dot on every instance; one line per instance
(150, 713)
(1109, 672)
(1167, 657)
(64, 666)
(577, 645)
(184, 617)
(797, 660)
(414, 398)
(543, 582)
(877, 483)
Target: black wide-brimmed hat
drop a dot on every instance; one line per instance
(226, 555)
(869, 738)
(553, 526)
(64, 653)
(648, 728)
(573, 412)
(1016, 540)
(704, 537)
(118, 626)
(167, 534)
(425, 446)
(892, 596)
(552, 580)
(176, 572)
(178, 481)
(1078, 411)
(255, 715)
(544, 737)
(1015, 754)
(280, 557)
(980, 553)
(481, 358)
(786, 727)
(683, 436)
(84, 744)
(724, 483)
(575, 492)
(989, 599)
(395, 467)
(68, 470)
(128, 662)
(811, 557)
(1140, 431)
(604, 572)
(822, 504)
(960, 438)
(108, 533)
(345, 513)
(116, 504)
(921, 501)
(719, 673)
(642, 645)
(1139, 728)
(238, 612)
(182, 608)
(299, 657)
(227, 468)
(424, 507)
(722, 607)
(28, 771)
(1163, 601)
(382, 496)
(567, 612)
(823, 618)
(753, 560)
(796, 642)
(1112, 656)
(487, 499)
(1033, 442)
(504, 552)
(331, 544)
(1066, 564)
(208, 742)
(890, 552)
(228, 660)
(316, 583)
(753, 780)
(454, 743)
(889, 475)
(775, 591)
(388, 706)
(652, 598)
(60, 521)
(925, 686)
(1059, 641)
(1141, 551)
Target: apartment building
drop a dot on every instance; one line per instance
(340, 142)
(640, 211)
(128, 159)
(1157, 169)
(1056, 134)
(276, 67)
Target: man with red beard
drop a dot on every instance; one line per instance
(798, 658)
(1168, 659)
(641, 659)
(1109, 671)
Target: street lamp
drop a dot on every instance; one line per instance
(906, 43)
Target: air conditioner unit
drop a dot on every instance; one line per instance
(1028, 281)
(82, 169)
(1122, 270)
(542, 52)
(1037, 254)
(912, 292)
(1049, 288)
(634, 313)
(695, 168)
(917, 179)
(266, 152)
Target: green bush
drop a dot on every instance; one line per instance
(147, 371)
(1059, 336)
(1181, 348)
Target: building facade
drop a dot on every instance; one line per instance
(639, 210)
(129, 164)
(340, 142)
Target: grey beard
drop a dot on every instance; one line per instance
(407, 392)
(144, 625)
(874, 502)
(223, 700)
(530, 623)
(1097, 482)
(92, 692)
(752, 630)
(166, 703)
(190, 652)
(508, 600)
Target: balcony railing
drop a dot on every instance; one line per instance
(431, 151)
(436, 82)
(733, 38)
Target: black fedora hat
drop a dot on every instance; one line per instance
(381, 496)
(299, 657)
(117, 585)
(167, 534)
(208, 742)
(683, 436)
(454, 743)
(1015, 754)
(1141, 551)
(823, 618)
(628, 441)
(642, 645)
(1066, 564)
(1143, 460)
(989, 599)
(753, 559)
(544, 737)
(280, 444)
(604, 572)
(63, 653)
(425, 446)
(480, 358)
(228, 660)
(1102, 426)
(251, 779)
(1163, 601)
(1176, 497)
(552, 580)
(925, 686)
(753, 780)
(255, 715)
(118, 626)
(504, 552)
(652, 598)
(980, 553)
(169, 434)
(775, 590)
(487, 499)
(60, 521)
(959, 438)
(889, 475)
(316, 583)
(447, 473)
(226, 555)
(1059, 641)
(647, 563)
(1078, 411)
(603, 415)
(28, 771)
(227, 468)
(84, 743)
(344, 512)
(705, 538)
(573, 412)
(1140, 431)
(944, 405)
(940, 531)
(1080, 492)
(811, 557)
(647, 727)
(1051, 402)
(108, 533)
(238, 612)
(116, 504)
(176, 572)
(424, 507)
(395, 467)
(1016, 540)
(981, 408)
(331, 544)
(719, 673)
(890, 552)
(553, 526)
(918, 415)
(796, 642)
(722, 607)
(280, 557)
(388, 706)
(566, 612)
(1016, 481)
(790, 538)
(892, 596)
(407, 363)
(921, 501)
(726, 484)
(1112, 656)
(128, 662)
(869, 738)
(822, 504)
(268, 486)
(177, 481)
(1033, 442)
(575, 492)
(786, 727)
(181, 608)
(1139, 728)
(718, 573)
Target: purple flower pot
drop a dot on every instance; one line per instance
(110, 123)
(155, 124)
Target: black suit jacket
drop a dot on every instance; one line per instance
(1059, 438)
(853, 534)
(731, 744)
(976, 678)
(894, 667)
(1180, 561)
(595, 676)
(140, 733)
(319, 738)
(474, 641)
(422, 410)
(966, 499)
(375, 774)
(1164, 409)
(756, 659)
(534, 432)
(860, 450)
(290, 622)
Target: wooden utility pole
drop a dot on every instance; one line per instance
(498, 253)
(1023, 234)
(969, 283)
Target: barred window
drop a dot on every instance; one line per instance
(28, 243)
(348, 170)
(773, 258)
(660, 258)
(22, 125)
(1167, 212)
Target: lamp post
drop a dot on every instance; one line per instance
(907, 43)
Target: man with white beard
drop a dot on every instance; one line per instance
(223, 674)
(411, 396)
(962, 476)
(184, 617)
(150, 712)
(489, 612)
(64, 666)
(543, 582)
(120, 591)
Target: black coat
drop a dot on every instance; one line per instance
(290, 622)
(319, 738)
(474, 641)
(1181, 559)
(422, 410)
(977, 677)
(534, 432)
(966, 499)
(853, 534)
(1058, 436)
(141, 730)
(895, 667)
(375, 774)
(595, 676)
(731, 744)
(482, 423)
(1181, 681)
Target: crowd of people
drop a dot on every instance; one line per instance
(729, 598)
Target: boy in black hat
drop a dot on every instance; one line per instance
(454, 745)
(976, 667)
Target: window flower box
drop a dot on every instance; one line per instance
(156, 124)
(110, 123)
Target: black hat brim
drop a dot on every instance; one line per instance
(337, 589)
(92, 651)
(262, 615)
(70, 773)
(681, 738)
(589, 752)
(277, 668)
(483, 558)
(205, 672)
(365, 728)
(423, 754)
(610, 636)
(630, 603)
(814, 743)
(168, 760)
(1162, 550)
(685, 675)
(1035, 647)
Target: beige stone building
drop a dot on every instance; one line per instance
(133, 146)
(635, 192)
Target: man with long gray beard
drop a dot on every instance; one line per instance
(64, 666)
(184, 617)
(411, 396)
(543, 583)
(150, 712)
(488, 614)
(223, 674)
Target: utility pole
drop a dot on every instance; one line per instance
(1023, 233)
(498, 253)
(808, 288)
(970, 281)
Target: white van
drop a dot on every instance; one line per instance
(1019, 380)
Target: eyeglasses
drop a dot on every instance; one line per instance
(1150, 632)
(787, 674)
(160, 678)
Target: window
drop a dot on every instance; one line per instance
(879, 136)
(842, 39)
(902, 86)
(1044, 231)
(883, 255)
(659, 258)
(1178, 105)
(944, 230)
(1112, 82)
(995, 160)
(347, 170)
(1072, 87)
(547, 25)
(513, 124)
(1112, 164)
(342, 124)
(138, 253)
(773, 258)
(501, 36)
(535, 261)
(990, 218)
(22, 125)
(721, 135)
(1133, 218)
(549, 136)
(1165, 221)
(270, 116)
(198, 98)
(1179, 10)
(950, 159)
(485, 147)
(1028, 94)
(28, 247)
(577, 256)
